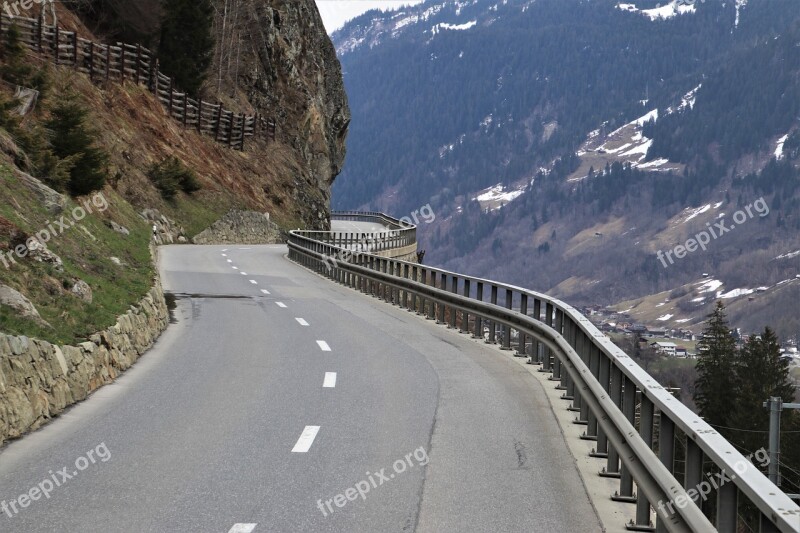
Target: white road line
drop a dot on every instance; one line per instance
(280, 304)
(301, 321)
(265, 291)
(306, 439)
(235, 268)
(225, 250)
(243, 273)
(330, 380)
(324, 346)
(254, 282)
(245, 248)
(242, 528)
(229, 261)
(224, 255)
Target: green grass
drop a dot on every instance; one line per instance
(85, 249)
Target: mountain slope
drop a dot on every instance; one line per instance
(563, 143)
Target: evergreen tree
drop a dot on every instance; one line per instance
(73, 141)
(761, 374)
(186, 46)
(716, 373)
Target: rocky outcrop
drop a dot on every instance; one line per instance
(288, 70)
(38, 379)
(165, 231)
(19, 303)
(241, 227)
(51, 199)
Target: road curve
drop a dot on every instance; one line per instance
(279, 401)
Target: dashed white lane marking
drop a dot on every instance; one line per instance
(225, 250)
(243, 273)
(330, 380)
(301, 321)
(265, 291)
(306, 439)
(254, 282)
(235, 268)
(324, 346)
(280, 304)
(242, 528)
(229, 261)
(224, 255)
(245, 248)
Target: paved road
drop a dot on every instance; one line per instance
(234, 422)
(354, 226)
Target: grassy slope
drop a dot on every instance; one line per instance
(86, 249)
(134, 130)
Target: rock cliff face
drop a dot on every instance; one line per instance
(287, 69)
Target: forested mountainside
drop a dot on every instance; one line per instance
(564, 143)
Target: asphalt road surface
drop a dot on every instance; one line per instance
(279, 401)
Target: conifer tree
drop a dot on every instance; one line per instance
(716, 374)
(761, 374)
(186, 46)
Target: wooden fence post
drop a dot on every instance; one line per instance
(75, 49)
(171, 96)
(40, 30)
(122, 58)
(138, 62)
(185, 108)
(219, 123)
(230, 128)
(91, 60)
(200, 115)
(58, 39)
(108, 61)
(156, 78)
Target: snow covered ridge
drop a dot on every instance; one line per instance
(496, 197)
(671, 9)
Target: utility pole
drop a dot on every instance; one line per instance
(775, 405)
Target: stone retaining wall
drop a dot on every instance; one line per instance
(241, 227)
(38, 380)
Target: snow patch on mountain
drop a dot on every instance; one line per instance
(779, 147)
(676, 7)
(445, 26)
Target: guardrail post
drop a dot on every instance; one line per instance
(464, 315)
(727, 506)
(492, 324)
(646, 413)
(417, 303)
(423, 278)
(601, 450)
(477, 328)
(442, 306)
(625, 493)
(546, 354)
(615, 393)
(406, 296)
(453, 311)
(506, 329)
(522, 348)
(536, 356)
(586, 413)
(432, 305)
(559, 325)
(693, 474)
(666, 452)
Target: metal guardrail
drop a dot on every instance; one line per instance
(606, 388)
(398, 234)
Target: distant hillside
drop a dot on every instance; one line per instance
(563, 143)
